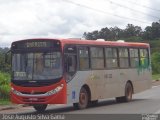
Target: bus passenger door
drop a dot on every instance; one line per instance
(70, 66)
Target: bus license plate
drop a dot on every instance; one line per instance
(33, 99)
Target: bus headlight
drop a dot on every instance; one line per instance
(54, 91)
(15, 91)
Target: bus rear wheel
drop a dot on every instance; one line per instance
(83, 99)
(128, 94)
(40, 107)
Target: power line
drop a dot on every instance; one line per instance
(143, 6)
(104, 12)
(120, 5)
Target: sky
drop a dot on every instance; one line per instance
(22, 19)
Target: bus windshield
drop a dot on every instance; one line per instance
(37, 66)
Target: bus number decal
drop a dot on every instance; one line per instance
(108, 76)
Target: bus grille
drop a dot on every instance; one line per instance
(33, 100)
(35, 93)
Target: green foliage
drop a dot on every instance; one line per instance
(114, 33)
(4, 85)
(133, 39)
(156, 77)
(5, 62)
(5, 102)
(156, 63)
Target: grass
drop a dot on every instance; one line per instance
(156, 77)
(5, 102)
(4, 78)
(4, 85)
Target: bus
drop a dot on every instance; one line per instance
(78, 72)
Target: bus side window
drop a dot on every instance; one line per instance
(111, 57)
(123, 57)
(144, 58)
(134, 58)
(83, 58)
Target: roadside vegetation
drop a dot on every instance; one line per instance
(156, 77)
(4, 87)
(5, 102)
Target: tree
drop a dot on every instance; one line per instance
(152, 32)
(155, 30)
(116, 33)
(147, 34)
(104, 33)
(132, 30)
(5, 66)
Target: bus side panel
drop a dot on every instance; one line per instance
(141, 80)
(74, 85)
(102, 84)
(107, 83)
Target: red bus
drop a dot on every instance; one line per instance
(62, 71)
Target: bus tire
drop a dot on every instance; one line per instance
(83, 99)
(40, 107)
(128, 94)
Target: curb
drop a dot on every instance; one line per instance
(7, 108)
(12, 107)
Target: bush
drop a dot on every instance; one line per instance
(4, 85)
(156, 63)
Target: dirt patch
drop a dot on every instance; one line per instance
(156, 83)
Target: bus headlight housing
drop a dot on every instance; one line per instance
(16, 92)
(54, 91)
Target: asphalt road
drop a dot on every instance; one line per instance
(144, 102)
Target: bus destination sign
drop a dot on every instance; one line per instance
(37, 44)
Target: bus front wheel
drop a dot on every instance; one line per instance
(83, 99)
(40, 107)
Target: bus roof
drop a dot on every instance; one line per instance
(109, 43)
(93, 42)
